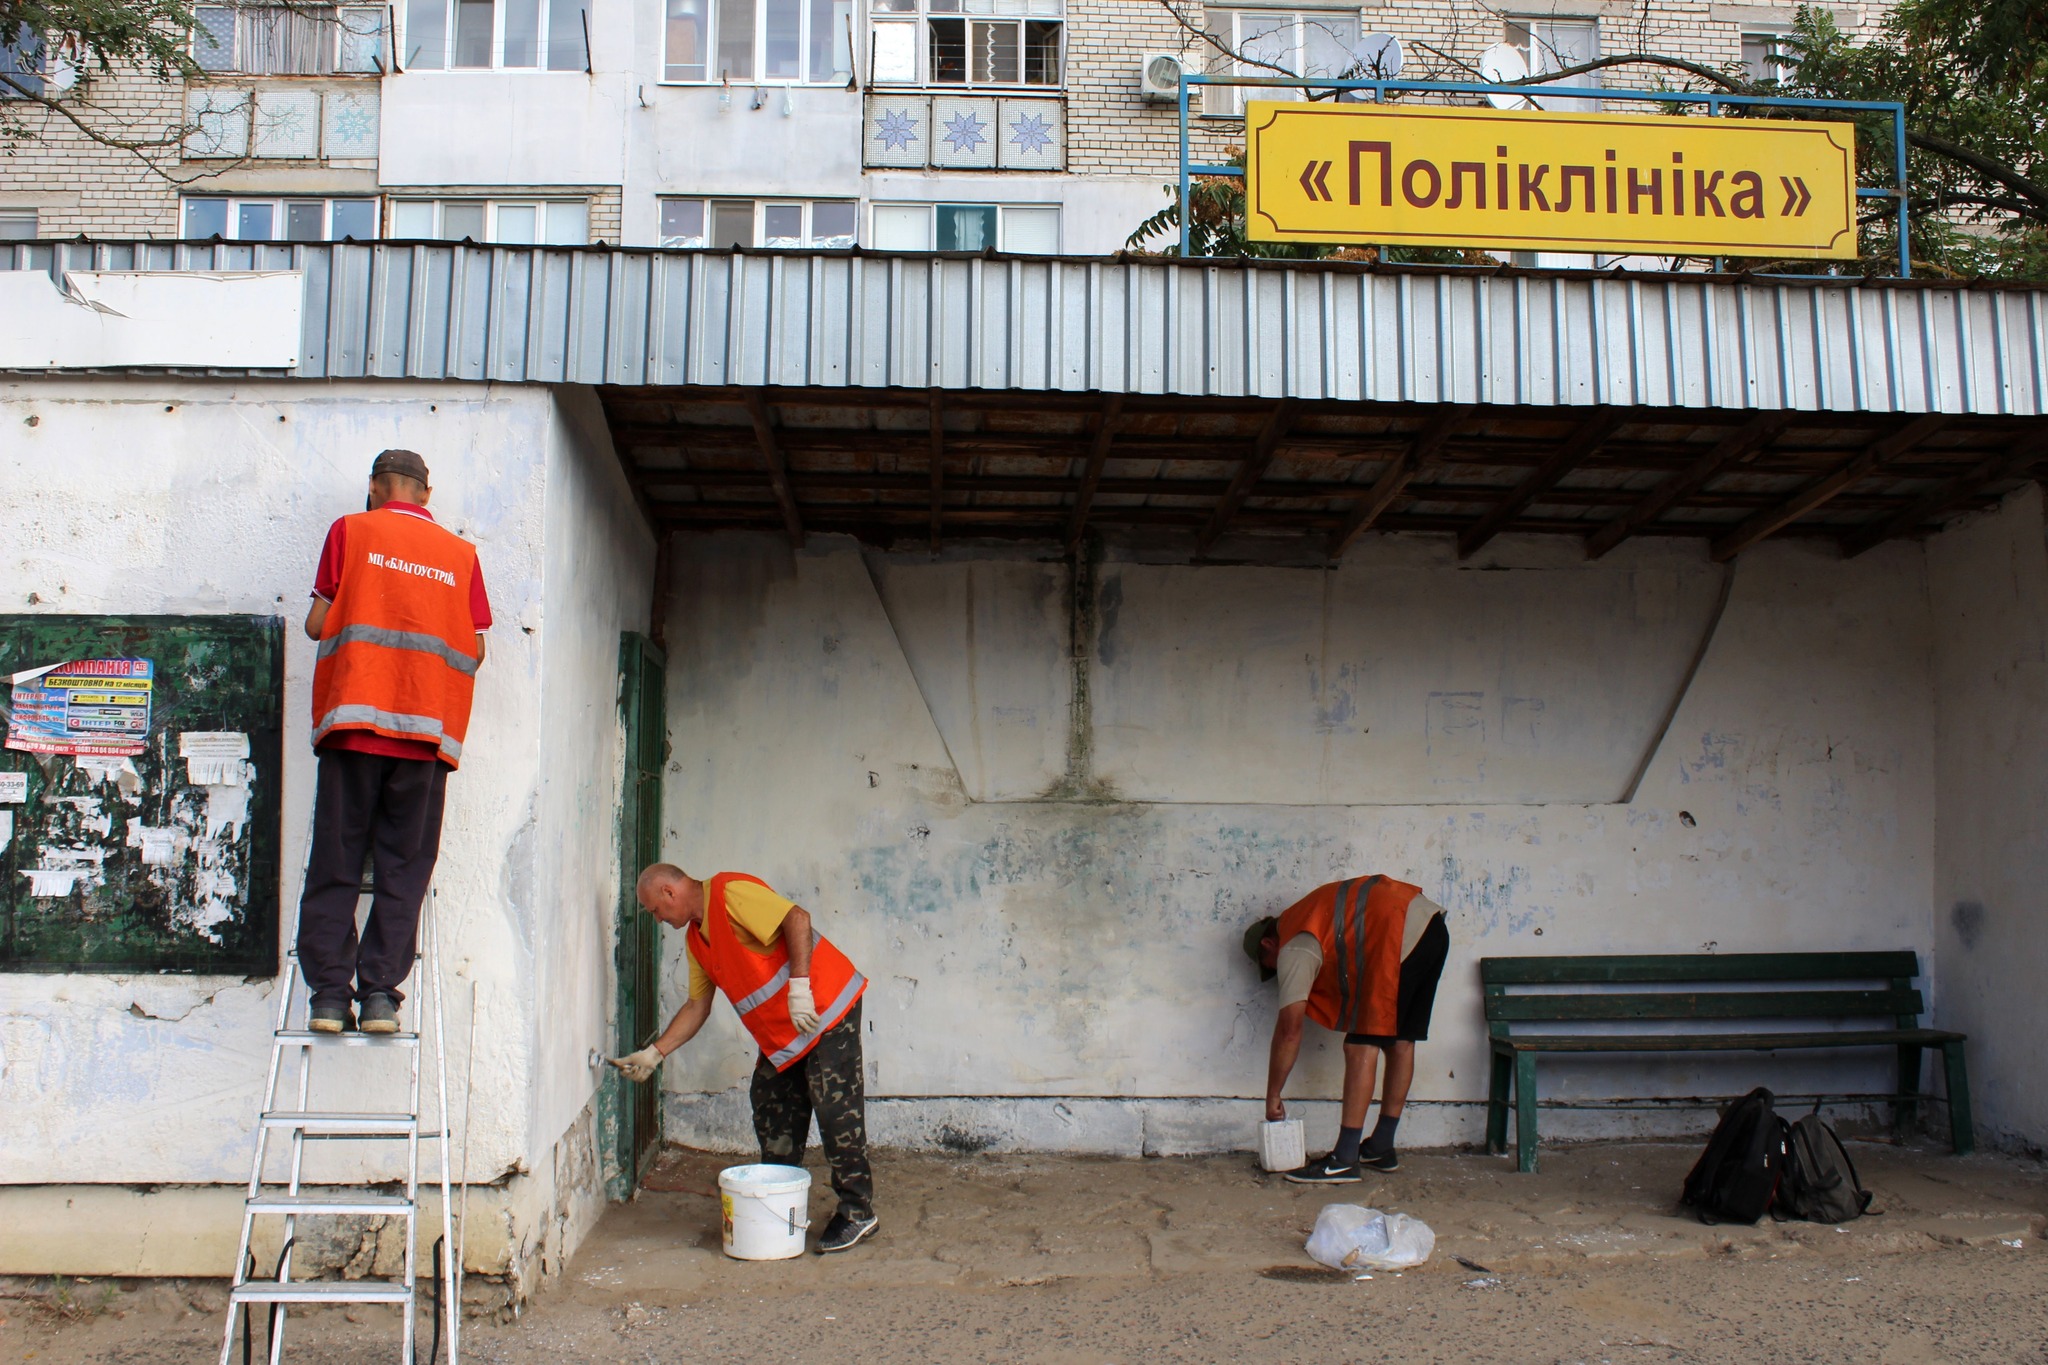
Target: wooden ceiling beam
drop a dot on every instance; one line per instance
(1743, 443)
(1247, 477)
(1422, 451)
(778, 471)
(1091, 473)
(1817, 494)
(1583, 441)
(2010, 463)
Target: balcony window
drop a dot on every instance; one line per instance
(967, 42)
(486, 35)
(1305, 42)
(17, 225)
(825, 224)
(1026, 229)
(782, 42)
(1555, 44)
(1765, 58)
(21, 66)
(508, 222)
(280, 220)
(270, 40)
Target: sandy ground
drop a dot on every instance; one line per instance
(1051, 1259)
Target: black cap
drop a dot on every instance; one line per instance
(403, 462)
(1257, 934)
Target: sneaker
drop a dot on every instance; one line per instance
(380, 1014)
(845, 1231)
(1383, 1161)
(330, 1019)
(1325, 1171)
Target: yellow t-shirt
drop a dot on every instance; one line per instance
(756, 914)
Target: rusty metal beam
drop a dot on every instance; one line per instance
(1583, 441)
(1247, 477)
(778, 469)
(2010, 463)
(1816, 494)
(1091, 474)
(1737, 447)
(1400, 471)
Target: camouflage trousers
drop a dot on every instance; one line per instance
(827, 1081)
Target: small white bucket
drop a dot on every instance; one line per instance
(767, 1210)
(1282, 1146)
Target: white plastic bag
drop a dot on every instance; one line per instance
(1352, 1237)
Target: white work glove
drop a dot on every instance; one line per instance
(641, 1065)
(803, 1011)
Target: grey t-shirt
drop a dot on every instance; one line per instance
(1301, 957)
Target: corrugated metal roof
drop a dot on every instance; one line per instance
(1269, 329)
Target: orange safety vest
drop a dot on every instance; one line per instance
(757, 980)
(1359, 923)
(398, 653)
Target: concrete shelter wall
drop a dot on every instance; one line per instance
(880, 737)
(1988, 580)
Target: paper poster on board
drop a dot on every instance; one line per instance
(86, 706)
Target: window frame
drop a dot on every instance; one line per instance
(1773, 41)
(355, 41)
(1003, 212)
(845, 14)
(1227, 101)
(493, 206)
(1529, 24)
(919, 17)
(760, 204)
(35, 224)
(16, 58)
(279, 204)
(544, 37)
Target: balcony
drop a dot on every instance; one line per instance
(920, 131)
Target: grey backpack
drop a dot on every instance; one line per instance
(1820, 1183)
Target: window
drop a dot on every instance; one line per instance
(511, 222)
(280, 220)
(825, 223)
(269, 40)
(777, 41)
(1027, 229)
(967, 42)
(1553, 45)
(21, 66)
(481, 35)
(17, 225)
(1765, 57)
(1306, 42)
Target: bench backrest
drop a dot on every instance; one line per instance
(1816, 986)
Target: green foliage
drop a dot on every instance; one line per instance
(106, 35)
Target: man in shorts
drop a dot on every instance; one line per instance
(1362, 958)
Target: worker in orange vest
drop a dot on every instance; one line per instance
(1362, 958)
(800, 998)
(399, 609)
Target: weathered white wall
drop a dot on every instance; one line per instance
(848, 710)
(512, 129)
(1988, 580)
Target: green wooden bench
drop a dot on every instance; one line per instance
(1717, 994)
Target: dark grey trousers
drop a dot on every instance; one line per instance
(827, 1081)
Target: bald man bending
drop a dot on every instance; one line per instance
(800, 998)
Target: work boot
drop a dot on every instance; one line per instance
(330, 1019)
(380, 1014)
(845, 1230)
(1324, 1171)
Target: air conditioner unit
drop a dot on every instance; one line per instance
(1160, 72)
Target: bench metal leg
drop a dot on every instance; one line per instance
(1525, 1112)
(1962, 1133)
(1497, 1082)
(1906, 1109)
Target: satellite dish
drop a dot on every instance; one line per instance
(1379, 57)
(60, 75)
(1502, 63)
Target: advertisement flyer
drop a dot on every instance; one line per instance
(86, 706)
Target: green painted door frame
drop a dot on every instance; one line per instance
(632, 1113)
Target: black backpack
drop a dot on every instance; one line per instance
(1737, 1176)
(1820, 1183)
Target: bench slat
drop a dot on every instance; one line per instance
(1701, 967)
(1724, 1042)
(1703, 1005)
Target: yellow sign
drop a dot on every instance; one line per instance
(1549, 182)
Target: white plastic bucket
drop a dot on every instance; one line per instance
(1282, 1146)
(767, 1210)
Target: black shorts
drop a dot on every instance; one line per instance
(1420, 971)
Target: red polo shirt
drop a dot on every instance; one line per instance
(327, 580)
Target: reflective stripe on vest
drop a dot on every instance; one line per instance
(831, 1016)
(756, 981)
(400, 639)
(1358, 924)
(765, 994)
(417, 727)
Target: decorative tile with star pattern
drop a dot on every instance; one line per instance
(1031, 135)
(964, 133)
(897, 131)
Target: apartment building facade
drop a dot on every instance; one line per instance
(1019, 125)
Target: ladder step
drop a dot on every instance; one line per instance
(307, 1038)
(321, 1291)
(330, 1203)
(335, 1124)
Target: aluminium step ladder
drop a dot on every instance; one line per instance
(292, 1202)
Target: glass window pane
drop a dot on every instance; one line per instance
(17, 225)
(462, 218)
(732, 223)
(522, 33)
(782, 225)
(831, 41)
(965, 227)
(1327, 40)
(516, 224)
(412, 219)
(949, 51)
(305, 221)
(782, 52)
(355, 218)
(567, 224)
(426, 34)
(1033, 230)
(997, 52)
(832, 223)
(362, 40)
(213, 38)
(568, 47)
(687, 54)
(1041, 53)
(682, 222)
(252, 222)
(473, 20)
(895, 52)
(903, 227)
(206, 217)
(894, 6)
(735, 40)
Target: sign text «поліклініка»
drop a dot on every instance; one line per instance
(1549, 182)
